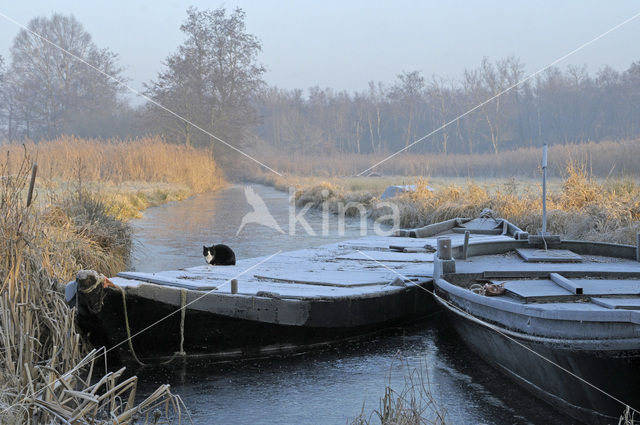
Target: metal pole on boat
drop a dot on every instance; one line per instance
(465, 247)
(544, 190)
(638, 247)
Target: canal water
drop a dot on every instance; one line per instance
(332, 386)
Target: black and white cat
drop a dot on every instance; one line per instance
(220, 255)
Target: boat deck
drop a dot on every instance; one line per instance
(571, 299)
(357, 267)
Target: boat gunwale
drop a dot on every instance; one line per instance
(613, 344)
(535, 310)
(384, 290)
(604, 249)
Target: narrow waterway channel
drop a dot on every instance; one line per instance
(325, 387)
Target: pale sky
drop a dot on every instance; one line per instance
(344, 44)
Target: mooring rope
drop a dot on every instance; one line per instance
(128, 328)
(183, 302)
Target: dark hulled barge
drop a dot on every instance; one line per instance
(563, 320)
(290, 302)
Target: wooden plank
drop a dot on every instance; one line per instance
(416, 250)
(531, 290)
(436, 228)
(388, 256)
(548, 290)
(618, 303)
(344, 279)
(422, 247)
(609, 286)
(547, 241)
(566, 283)
(477, 231)
(533, 255)
(167, 281)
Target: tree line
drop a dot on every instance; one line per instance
(557, 106)
(215, 81)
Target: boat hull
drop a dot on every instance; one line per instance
(157, 330)
(535, 363)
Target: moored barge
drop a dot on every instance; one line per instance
(561, 318)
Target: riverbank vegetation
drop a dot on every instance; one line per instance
(76, 221)
(414, 404)
(604, 159)
(128, 176)
(580, 205)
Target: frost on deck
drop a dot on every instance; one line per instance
(350, 268)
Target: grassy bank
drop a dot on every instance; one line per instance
(84, 192)
(580, 206)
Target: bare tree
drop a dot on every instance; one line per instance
(212, 80)
(408, 92)
(53, 92)
(494, 80)
(474, 94)
(441, 93)
(515, 73)
(374, 116)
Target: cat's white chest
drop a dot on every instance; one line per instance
(208, 257)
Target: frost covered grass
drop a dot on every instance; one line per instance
(46, 370)
(125, 200)
(579, 205)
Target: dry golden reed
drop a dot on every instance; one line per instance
(581, 208)
(603, 159)
(43, 361)
(414, 404)
(148, 159)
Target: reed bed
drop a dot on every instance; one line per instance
(128, 176)
(46, 371)
(602, 159)
(580, 207)
(148, 159)
(414, 404)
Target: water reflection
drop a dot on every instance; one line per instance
(332, 386)
(171, 236)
